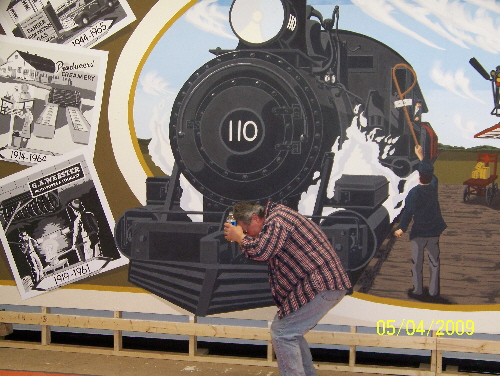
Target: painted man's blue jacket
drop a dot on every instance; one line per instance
(422, 206)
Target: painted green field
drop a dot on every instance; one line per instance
(455, 166)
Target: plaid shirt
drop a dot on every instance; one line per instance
(301, 259)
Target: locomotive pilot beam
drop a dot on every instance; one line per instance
(264, 122)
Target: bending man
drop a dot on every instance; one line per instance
(306, 276)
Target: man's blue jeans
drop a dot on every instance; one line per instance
(292, 351)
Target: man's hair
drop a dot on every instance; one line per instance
(425, 179)
(243, 211)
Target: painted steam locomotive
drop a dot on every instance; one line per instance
(259, 123)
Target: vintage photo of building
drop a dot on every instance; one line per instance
(50, 98)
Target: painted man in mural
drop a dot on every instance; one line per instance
(85, 231)
(28, 247)
(422, 206)
(306, 276)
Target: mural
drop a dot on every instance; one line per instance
(81, 23)
(266, 121)
(298, 110)
(314, 104)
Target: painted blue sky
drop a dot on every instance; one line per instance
(437, 37)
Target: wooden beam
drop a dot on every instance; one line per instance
(46, 337)
(372, 340)
(143, 326)
(218, 331)
(117, 334)
(463, 344)
(352, 349)
(193, 340)
(193, 329)
(270, 349)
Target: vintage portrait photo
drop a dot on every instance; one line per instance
(56, 227)
(50, 99)
(82, 23)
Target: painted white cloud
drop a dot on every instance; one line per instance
(464, 23)
(424, 14)
(492, 5)
(467, 128)
(383, 11)
(206, 16)
(464, 20)
(456, 82)
(152, 83)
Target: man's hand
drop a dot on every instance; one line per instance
(233, 233)
(398, 233)
(419, 152)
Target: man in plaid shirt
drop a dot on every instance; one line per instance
(306, 277)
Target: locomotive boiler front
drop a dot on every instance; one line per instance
(249, 125)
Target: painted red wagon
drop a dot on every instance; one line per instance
(486, 187)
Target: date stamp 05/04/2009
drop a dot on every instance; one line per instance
(419, 327)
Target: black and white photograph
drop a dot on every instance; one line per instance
(56, 226)
(82, 23)
(50, 99)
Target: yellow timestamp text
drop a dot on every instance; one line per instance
(419, 327)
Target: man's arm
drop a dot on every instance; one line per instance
(233, 233)
(406, 216)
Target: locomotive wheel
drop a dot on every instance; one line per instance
(466, 195)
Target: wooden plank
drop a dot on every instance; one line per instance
(5, 330)
(476, 346)
(193, 340)
(218, 331)
(144, 326)
(372, 340)
(352, 349)
(435, 344)
(46, 337)
(270, 349)
(117, 334)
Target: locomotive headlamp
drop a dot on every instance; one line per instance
(262, 22)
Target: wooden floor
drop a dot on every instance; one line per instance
(470, 254)
(105, 365)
